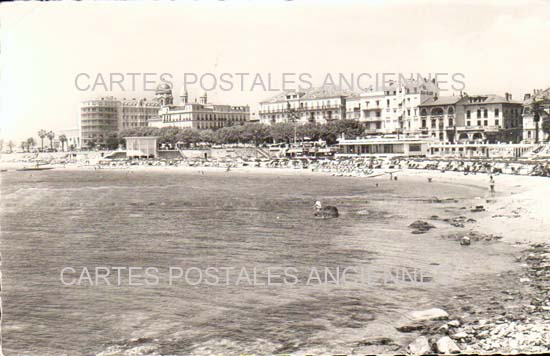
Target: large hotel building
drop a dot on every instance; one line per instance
(103, 116)
(199, 115)
(395, 109)
(487, 118)
(302, 106)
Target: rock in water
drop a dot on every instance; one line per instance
(327, 212)
(465, 241)
(447, 346)
(420, 346)
(421, 225)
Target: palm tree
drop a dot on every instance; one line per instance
(42, 134)
(63, 140)
(30, 143)
(51, 136)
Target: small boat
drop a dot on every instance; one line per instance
(34, 169)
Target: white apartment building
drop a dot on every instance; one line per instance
(104, 116)
(318, 105)
(393, 110)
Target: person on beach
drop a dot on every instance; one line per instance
(492, 185)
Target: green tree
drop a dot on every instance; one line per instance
(112, 141)
(167, 135)
(208, 136)
(63, 140)
(51, 136)
(311, 130)
(30, 143)
(42, 134)
(92, 143)
(331, 131)
(283, 131)
(254, 133)
(187, 137)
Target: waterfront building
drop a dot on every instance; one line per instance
(478, 150)
(316, 105)
(394, 108)
(105, 116)
(530, 126)
(199, 115)
(480, 118)
(389, 145)
(136, 113)
(142, 146)
(98, 119)
(438, 117)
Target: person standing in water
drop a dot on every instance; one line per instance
(317, 206)
(492, 185)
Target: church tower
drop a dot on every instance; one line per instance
(184, 95)
(204, 98)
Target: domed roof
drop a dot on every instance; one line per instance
(163, 88)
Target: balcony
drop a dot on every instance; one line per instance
(372, 119)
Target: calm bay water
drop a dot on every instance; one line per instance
(55, 219)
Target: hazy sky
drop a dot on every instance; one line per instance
(498, 45)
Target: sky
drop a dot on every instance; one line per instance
(52, 54)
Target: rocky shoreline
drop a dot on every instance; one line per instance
(480, 321)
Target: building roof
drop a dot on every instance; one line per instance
(140, 102)
(421, 84)
(324, 92)
(468, 100)
(539, 95)
(487, 99)
(164, 88)
(441, 100)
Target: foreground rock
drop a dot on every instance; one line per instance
(420, 346)
(421, 227)
(446, 345)
(515, 321)
(472, 236)
(417, 320)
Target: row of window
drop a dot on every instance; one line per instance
(304, 105)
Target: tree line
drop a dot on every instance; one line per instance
(252, 133)
(30, 143)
